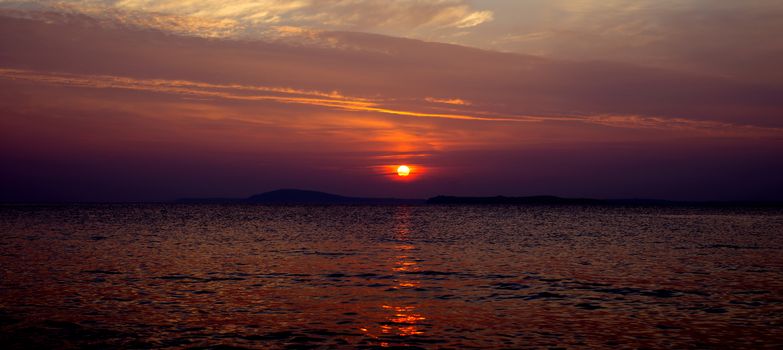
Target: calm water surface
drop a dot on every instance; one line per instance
(212, 276)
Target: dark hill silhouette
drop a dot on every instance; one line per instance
(553, 200)
(294, 196)
(532, 200)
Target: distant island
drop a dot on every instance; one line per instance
(544, 200)
(553, 200)
(296, 196)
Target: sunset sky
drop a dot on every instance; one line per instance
(140, 100)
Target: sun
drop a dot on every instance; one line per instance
(403, 170)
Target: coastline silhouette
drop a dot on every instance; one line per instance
(297, 196)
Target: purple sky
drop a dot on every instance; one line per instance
(136, 101)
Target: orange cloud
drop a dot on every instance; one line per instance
(339, 101)
(450, 101)
(285, 95)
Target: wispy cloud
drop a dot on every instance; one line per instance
(704, 127)
(232, 92)
(256, 18)
(737, 39)
(338, 101)
(721, 37)
(449, 101)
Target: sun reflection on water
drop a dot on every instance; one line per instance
(209, 276)
(402, 320)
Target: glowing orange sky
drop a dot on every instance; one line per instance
(94, 110)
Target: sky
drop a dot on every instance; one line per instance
(140, 100)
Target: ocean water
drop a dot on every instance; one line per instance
(234, 276)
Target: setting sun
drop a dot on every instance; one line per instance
(403, 170)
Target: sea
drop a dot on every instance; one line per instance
(191, 276)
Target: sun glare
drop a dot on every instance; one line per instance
(403, 170)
